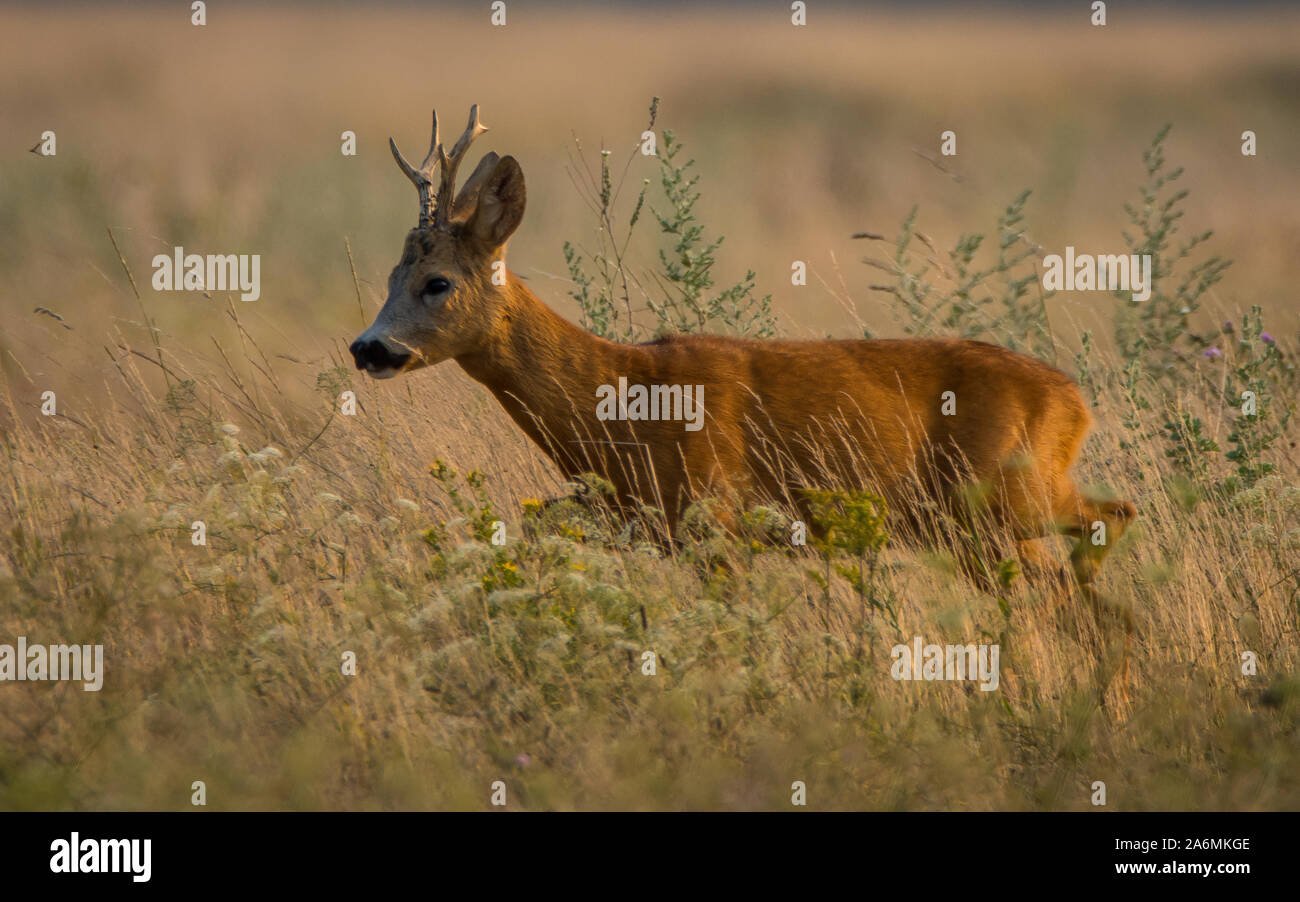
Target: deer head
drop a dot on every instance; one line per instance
(442, 302)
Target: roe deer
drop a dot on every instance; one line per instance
(777, 416)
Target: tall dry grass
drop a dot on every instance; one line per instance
(329, 534)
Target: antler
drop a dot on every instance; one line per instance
(435, 210)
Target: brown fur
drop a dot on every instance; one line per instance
(779, 415)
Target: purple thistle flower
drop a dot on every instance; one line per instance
(1266, 338)
(1211, 353)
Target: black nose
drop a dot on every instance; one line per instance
(375, 355)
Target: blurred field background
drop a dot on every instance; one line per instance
(226, 139)
(223, 661)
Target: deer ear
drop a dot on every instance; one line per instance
(467, 197)
(500, 204)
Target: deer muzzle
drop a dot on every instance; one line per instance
(376, 358)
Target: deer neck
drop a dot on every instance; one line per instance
(544, 371)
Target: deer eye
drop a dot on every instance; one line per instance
(434, 287)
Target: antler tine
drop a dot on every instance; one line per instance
(422, 178)
(411, 172)
(435, 147)
(451, 162)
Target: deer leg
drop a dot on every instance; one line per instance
(981, 535)
(1097, 525)
(1038, 565)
